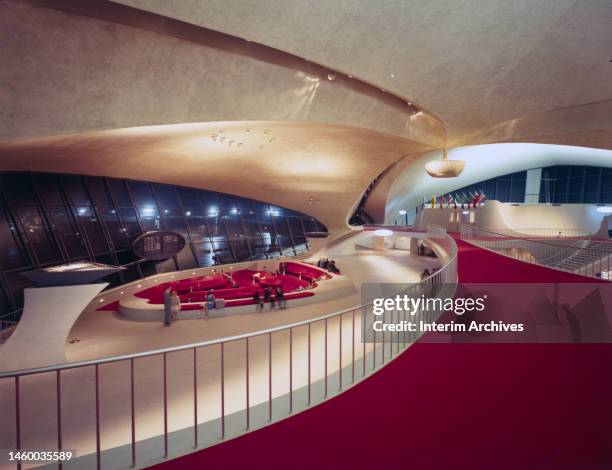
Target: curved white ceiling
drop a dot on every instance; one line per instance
(475, 63)
(483, 162)
(318, 169)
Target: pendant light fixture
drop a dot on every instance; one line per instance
(445, 168)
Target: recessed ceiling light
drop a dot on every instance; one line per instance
(331, 77)
(392, 75)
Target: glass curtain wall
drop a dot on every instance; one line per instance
(48, 219)
(576, 185)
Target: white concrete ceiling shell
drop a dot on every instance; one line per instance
(474, 63)
(318, 169)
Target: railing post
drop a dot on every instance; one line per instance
(97, 384)
(363, 339)
(17, 421)
(398, 335)
(325, 394)
(133, 410)
(58, 388)
(309, 378)
(374, 349)
(165, 407)
(270, 376)
(290, 370)
(195, 398)
(222, 391)
(340, 352)
(353, 350)
(248, 411)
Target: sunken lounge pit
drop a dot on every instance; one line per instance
(234, 290)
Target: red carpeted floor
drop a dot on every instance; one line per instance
(494, 406)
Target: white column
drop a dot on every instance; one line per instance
(532, 186)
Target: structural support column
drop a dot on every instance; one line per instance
(532, 186)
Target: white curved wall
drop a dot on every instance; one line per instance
(483, 162)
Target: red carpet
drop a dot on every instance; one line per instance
(447, 406)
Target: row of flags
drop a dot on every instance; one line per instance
(462, 200)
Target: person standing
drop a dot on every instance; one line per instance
(280, 297)
(258, 301)
(269, 297)
(168, 306)
(211, 301)
(176, 305)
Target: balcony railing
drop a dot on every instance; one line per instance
(139, 409)
(569, 250)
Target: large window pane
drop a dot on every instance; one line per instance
(37, 233)
(88, 220)
(145, 204)
(12, 252)
(116, 231)
(18, 188)
(67, 230)
(75, 190)
(166, 196)
(130, 223)
(48, 188)
(98, 192)
(119, 192)
(204, 253)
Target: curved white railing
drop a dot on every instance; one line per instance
(571, 251)
(148, 406)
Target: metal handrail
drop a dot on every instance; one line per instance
(446, 275)
(155, 352)
(512, 235)
(574, 258)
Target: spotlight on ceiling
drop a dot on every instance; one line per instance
(383, 232)
(445, 168)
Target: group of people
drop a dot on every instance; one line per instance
(426, 273)
(272, 295)
(328, 265)
(172, 305)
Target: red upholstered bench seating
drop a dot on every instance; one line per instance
(217, 281)
(231, 293)
(310, 273)
(291, 296)
(197, 289)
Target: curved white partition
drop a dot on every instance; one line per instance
(39, 339)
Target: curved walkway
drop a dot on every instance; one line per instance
(440, 406)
